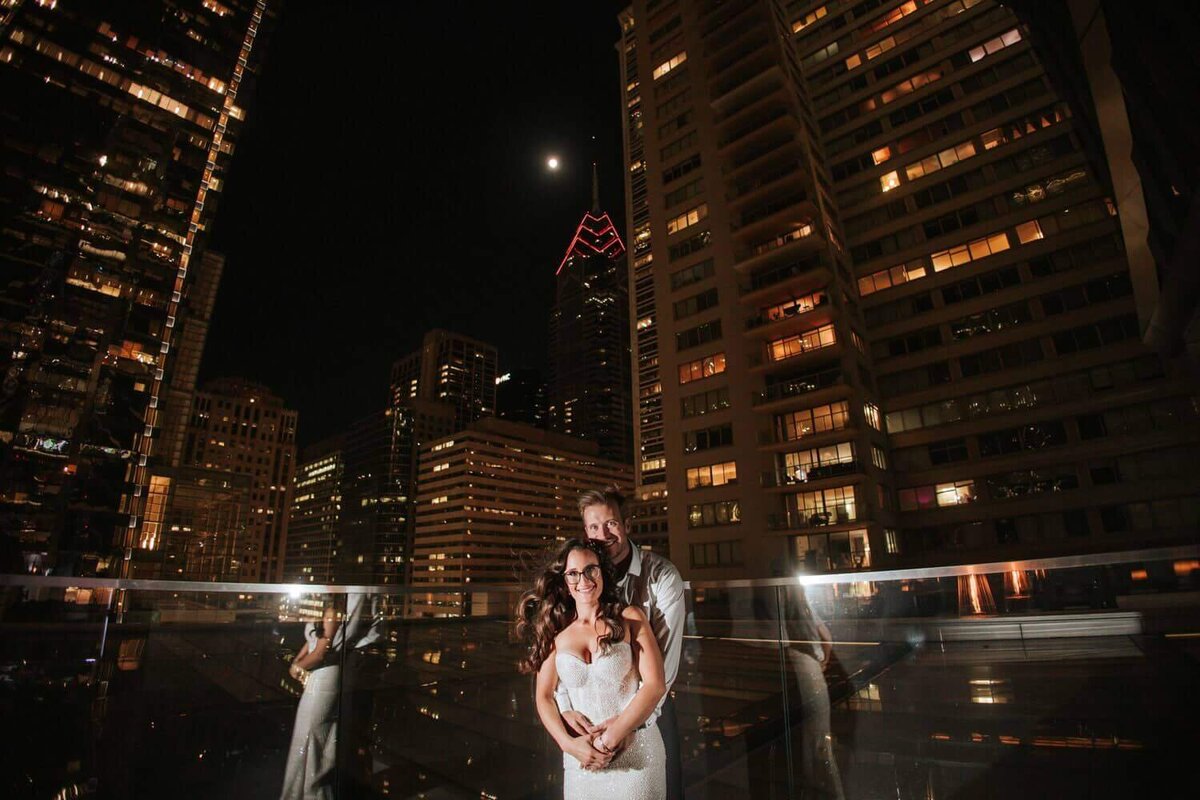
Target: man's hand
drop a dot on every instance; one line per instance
(588, 756)
(615, 746)
(578, 723)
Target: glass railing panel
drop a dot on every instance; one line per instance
(1073, 681)
(731, 723)
(52, 645)
(1068, 678)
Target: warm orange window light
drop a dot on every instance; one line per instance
(1185, 568)
(1138, 574)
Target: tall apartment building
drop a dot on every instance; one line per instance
(769, 418)
(1138, 67)
(880, 212)
(119, 129)
(312, 542)
(649, 446)
(241, 427)
(491, 499)
(589, 387)
(449, 368)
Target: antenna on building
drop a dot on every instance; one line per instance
(595, 190)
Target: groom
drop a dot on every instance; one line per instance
(652, 583)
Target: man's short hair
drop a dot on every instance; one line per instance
(608, 496)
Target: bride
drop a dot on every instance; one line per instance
(579, 632)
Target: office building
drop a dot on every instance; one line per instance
(521, 397)
(312, 543)
(352, 510)
(490, 500)
(201, 520)
(449, 368)
(241, 427)
(113, 164)
(589, 386)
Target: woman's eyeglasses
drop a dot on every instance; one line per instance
(591, 572)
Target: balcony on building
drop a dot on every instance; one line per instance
(790, 315)
(808, 346)
(811, 387)
(780, 282)
(774, 441)
(815, 477)
(772, 234)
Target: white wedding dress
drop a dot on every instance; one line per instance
(601, 690)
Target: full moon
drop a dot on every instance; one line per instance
(552, 162)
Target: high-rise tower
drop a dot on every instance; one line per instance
(589, 386)
(113, 161)
(240, 427)
(875, 215)
(449, 368)
(769, 420)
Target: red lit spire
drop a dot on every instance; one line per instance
(596, 232)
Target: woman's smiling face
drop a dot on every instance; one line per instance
(583, 568)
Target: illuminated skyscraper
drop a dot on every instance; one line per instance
(449, 368)
(312, 543)
(589, 386)
(880, 216)
(353, 505)
(241, 427)
(112, 164)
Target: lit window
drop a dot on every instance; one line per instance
(871, 413)
(702, 368)
(889, 181)
(891, 541)
(808, 19)
(815, 339)
(712, 475)
(670, 64)
(1029, 232)
(956, 493)
(881, 155)
(993, 45)
(687, 219)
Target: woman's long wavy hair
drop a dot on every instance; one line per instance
(548, 608)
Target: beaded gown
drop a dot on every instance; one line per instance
(602, 689)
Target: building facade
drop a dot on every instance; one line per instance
(449, 368)
(880, 216)
(589, 386)
(769, 419)
(649, 510)
(521, 397)
(312, 542)
(202, 520)
(491, 499)
(353, 505)
(112, 168)
(241, 427)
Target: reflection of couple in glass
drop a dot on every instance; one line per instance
(312, 755)
(603, 625)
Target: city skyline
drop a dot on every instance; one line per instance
(360, 230)
(814, 388)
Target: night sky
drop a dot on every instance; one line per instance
(392, 179)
